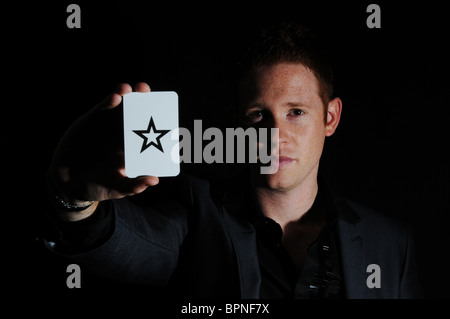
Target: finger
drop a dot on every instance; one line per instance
(123, 89)
(132, 186)
(142, 87)
(111, 101)
(146, 180)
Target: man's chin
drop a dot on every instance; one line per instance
(279, 181)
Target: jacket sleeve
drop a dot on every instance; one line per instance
(136, 243)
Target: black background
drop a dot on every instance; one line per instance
(389, 152)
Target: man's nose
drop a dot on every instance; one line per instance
(280, 124)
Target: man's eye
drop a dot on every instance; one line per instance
(296, 112)
(255, 115)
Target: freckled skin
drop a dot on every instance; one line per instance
(279, 91)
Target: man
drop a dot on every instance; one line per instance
(281, 235)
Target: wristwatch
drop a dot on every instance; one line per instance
(70, 206)
(62, 203)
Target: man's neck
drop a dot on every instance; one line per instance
(288, 205)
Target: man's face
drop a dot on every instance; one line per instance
(286, 96)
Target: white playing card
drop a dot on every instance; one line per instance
(151, 140)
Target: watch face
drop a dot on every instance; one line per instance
(71, 206)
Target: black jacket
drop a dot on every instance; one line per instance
(195, 239)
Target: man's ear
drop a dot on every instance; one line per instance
(333, 116)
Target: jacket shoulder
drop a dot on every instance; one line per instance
(368, 213)
(380, 225)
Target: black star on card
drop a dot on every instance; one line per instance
(151, 128)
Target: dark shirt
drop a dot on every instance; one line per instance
(319, 277)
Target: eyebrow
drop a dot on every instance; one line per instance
(287, 104)
(296, 104)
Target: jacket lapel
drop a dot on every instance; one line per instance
(244, 242)
(243, 236)
(350, 230)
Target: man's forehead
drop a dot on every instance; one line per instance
(284, 76)
(284, 79)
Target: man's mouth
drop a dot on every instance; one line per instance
(284, 161)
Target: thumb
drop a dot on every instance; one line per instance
(133, 186)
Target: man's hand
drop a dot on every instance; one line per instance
(88, 163)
